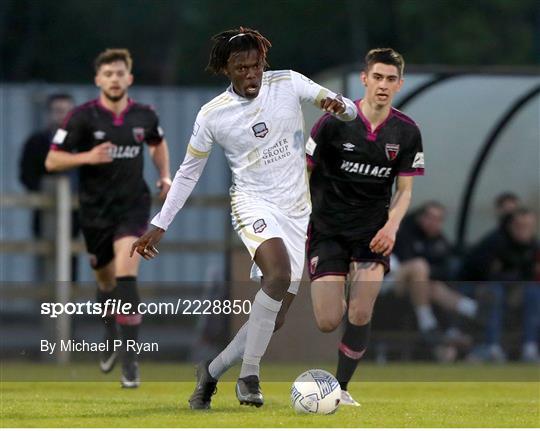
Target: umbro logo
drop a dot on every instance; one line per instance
(99, 135)
(348, 146)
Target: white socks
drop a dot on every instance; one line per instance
(467, 307)
(260, 327)
(425, 317)
(230, 355)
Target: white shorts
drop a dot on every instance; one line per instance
(255, 221)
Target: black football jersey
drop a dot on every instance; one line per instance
(354, 167)
(107, 191)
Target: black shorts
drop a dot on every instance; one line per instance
(333, 254)
(99, 241)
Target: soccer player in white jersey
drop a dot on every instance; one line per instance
(258, 122)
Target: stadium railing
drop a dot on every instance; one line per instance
(58, 202)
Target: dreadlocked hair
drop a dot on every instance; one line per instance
(236, 40)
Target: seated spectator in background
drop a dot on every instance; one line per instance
(36, 147)
(506, 258)
(425, 257)
(32, 161)
(506, 203)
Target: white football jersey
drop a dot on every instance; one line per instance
(263, 138)
(263, 141)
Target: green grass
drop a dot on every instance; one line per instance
(388, 403)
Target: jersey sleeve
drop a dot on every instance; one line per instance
(155, 135)
(317, 139)
(202, 138)
(311, 92)
(72, 133)
(183, 184)
(411, 161)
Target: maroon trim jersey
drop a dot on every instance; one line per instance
(354, 167)
(107, 191)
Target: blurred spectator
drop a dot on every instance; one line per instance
(32, 163)
(425, 260)
(506, 203)
(506, 258)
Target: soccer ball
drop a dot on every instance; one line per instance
(315, 391)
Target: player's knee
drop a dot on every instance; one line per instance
(420, 268)
(328, 323)
(279, 279)
(359, 315)
(107, 287)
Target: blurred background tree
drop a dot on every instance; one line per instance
(56, 41)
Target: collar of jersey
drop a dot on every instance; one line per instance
(366, 121)
(117, 119)
(237, 97)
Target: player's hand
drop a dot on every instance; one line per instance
(146, 244)
(333, 105)
(164, 185)
(383, 241)
(101, 153)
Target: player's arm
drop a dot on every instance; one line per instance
(335, 104)
(384, 240)
(410, 164)
(160, 157)
(58, 160)
(317, 138)
(184, 182)
(64, 152)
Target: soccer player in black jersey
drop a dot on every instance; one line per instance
(355, 215)
(105, 139)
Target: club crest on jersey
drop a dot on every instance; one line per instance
(259, 225)
(260, 129)
(138, 134)
(391, 151)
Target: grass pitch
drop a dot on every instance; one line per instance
(415, 401)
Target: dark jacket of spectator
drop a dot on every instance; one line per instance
(498, 257)
(412, 242)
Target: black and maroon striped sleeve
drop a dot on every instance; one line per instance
(411, 162)
(155, 133)
(71, 134)
(317, 138)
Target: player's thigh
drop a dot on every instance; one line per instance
(273, 259)
(125, 265)
(99, 244)
(260, 229)
(127, 230)
(328, 299)
(294, 237)
(365, 280)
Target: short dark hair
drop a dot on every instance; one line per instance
(110, 55)
(509, 218)
(236, 40)
(521, 211)
(505, 196)
(51, 98)
(426, 206)
(384, 56)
